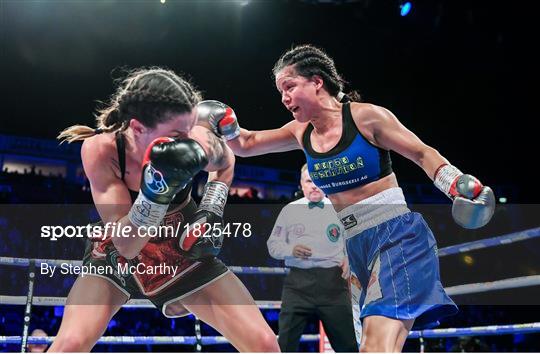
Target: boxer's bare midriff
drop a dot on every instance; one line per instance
(344, 199)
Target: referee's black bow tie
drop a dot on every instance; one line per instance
(316, 204)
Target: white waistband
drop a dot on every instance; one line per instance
(373, 211)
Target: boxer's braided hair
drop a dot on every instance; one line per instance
(308, 61)
(151, 96)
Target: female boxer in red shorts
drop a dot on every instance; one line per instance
(140, 161)
(391, 250)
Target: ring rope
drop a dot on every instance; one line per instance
(519, 282)
(490, 242)
(511, 283)
(209, 340)
(132, 303)
(493, 330)
(141, 340)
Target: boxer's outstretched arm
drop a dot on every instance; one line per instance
(383, 128)
(260, 142)
(473, 203)
(221, 119)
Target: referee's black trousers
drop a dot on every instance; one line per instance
(320, 292)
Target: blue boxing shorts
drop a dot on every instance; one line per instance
(393, 259)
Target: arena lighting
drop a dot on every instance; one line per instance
(405, 8)
(468, 260)
(242, 3)
(503, 200)
(162, 1)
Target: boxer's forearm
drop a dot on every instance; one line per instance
(241, 145)
(429, 160)
(226, 173)
(260, 142)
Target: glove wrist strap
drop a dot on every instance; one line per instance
(233, 135)
(214, 197)
(145, 212)
(445, 177)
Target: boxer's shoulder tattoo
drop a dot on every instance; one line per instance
(115, 163)
(216, 147)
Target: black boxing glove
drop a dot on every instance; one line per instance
(168, 166)
(473, 203)
(203, 236)
(219, 117)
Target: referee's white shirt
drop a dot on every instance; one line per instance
(317, 228)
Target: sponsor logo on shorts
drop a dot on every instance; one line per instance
(333, 232)
(349, 221)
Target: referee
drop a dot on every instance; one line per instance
(309, 237)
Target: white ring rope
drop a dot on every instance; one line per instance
(511, 283)
(133, 303)
(492, 330)
(519, 282)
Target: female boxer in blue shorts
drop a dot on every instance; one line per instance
(141, 177)
(391, 250)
